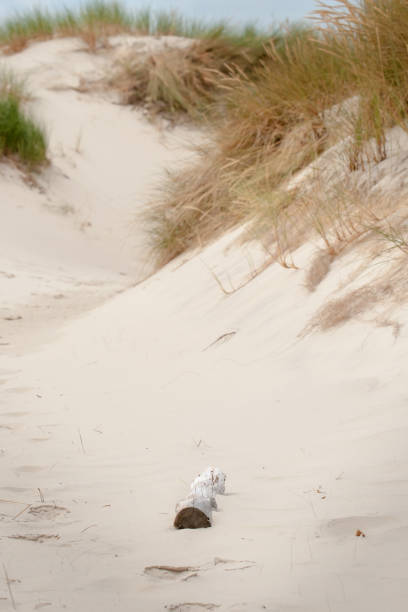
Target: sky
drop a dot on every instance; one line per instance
(264, 12)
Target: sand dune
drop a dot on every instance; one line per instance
(75, 225)
(111, 404)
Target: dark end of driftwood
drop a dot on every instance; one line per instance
(191, 518)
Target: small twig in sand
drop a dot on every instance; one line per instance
(181, 569)
(221, 339)
(219, 282)
(236, 569)
(252, 276)
(189, 604)
(194, 575)
(86, 528)
(82, 442)
(22, 512)
(78, 143)
(8, 582)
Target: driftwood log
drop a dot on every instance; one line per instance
(195, 511)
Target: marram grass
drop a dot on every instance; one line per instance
(274, 120)
(20, 137)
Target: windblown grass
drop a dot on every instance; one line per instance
(20, 137)
(277, 117)
(186, 79)
(273, 125)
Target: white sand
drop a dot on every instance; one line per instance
(76, 232)
(111, 418)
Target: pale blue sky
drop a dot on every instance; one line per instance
(263, 11)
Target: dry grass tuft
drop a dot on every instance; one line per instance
(194, 208)
(340, 310)
(186, 79)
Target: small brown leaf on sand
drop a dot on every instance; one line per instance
(360, 534)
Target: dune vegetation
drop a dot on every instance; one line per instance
(96, 20)
(342, 83)
(20, 136)
(272, 102)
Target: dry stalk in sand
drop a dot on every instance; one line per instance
(8, 582)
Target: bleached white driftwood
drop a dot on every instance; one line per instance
(196, 510)
(210, 483)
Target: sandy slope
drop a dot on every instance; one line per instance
(74, 233)
(104, 427)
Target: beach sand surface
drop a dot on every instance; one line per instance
(116, 392)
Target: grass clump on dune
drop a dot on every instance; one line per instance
(185, 79)
(20, 137)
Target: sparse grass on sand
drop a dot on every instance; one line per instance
(10, 85)
(93, 22)
(20, 137)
